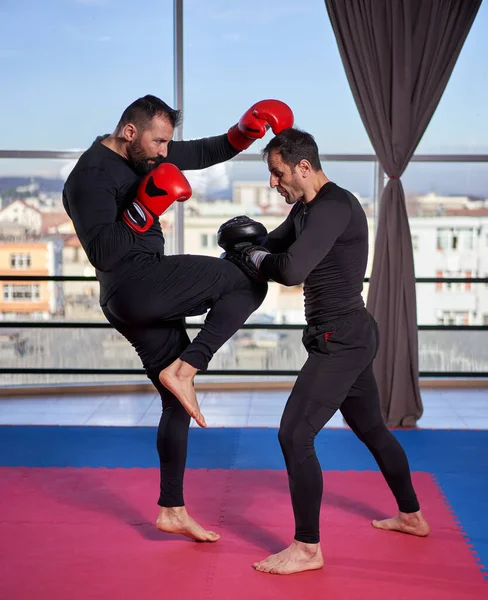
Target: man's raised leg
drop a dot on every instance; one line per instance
(239, 297)
(179, 379)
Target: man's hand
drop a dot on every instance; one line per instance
(256, 121)
(156, 193)
(248, 258)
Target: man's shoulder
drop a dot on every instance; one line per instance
(337, 195)
(329, 196)
(349, 205)
(344, 193)
(99, 161)
(98, 156)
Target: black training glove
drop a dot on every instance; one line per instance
(248, 258)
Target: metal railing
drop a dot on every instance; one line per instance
(379, 184)
(227, 372)
(435, 158)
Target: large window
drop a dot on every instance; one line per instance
(71, 67)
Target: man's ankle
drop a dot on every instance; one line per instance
(186, 370)
(307, 547)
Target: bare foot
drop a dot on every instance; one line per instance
(296, 558)
(413, 523)
(177, 520)
(178, 379)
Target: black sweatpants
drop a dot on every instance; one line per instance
(150, 312)
(338, 374)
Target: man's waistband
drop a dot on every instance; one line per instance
(333, 322)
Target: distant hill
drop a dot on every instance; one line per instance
(45, 184)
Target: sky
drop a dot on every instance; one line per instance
(68, 68)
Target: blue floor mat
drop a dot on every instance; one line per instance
(457, 459)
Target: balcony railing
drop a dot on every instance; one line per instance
(378, 188)
(61, 324)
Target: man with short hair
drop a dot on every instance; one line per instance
(145, 294)
(323, 243)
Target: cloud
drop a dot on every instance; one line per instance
(66, 169)
(213, 178)
(105, 38)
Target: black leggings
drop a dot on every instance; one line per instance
(338, 374)
(150, 312)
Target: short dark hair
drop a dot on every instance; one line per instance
(294, 145)
(143, 110)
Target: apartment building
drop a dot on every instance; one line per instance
(29, 298)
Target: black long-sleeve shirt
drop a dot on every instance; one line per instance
(323, 244)
(102, 185)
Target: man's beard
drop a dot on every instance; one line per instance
(139, 159)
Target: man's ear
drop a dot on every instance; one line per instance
(305, 167)
(129, 132)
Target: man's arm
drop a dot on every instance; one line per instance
(200, 154)
(90, 200)
(329, 221)
(253, 125)
(281, 238)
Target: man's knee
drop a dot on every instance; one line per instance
(376, 436)
(285, 437)
(296, 441)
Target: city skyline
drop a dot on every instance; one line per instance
(359, 177)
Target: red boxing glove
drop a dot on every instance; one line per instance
(157, 192)
(255, 122)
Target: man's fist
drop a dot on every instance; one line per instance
(248, 257)
(256, 121)
(157, 191)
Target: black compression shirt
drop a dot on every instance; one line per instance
(323, 244)
(102, 185)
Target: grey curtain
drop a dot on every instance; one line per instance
(398, 56)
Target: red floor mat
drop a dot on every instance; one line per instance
(83, 534)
